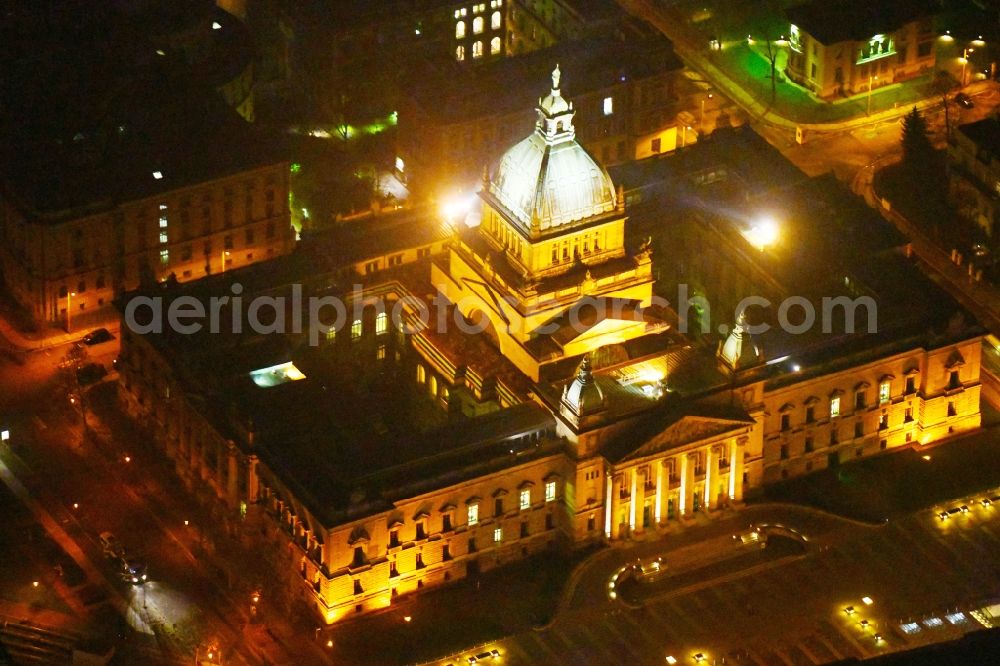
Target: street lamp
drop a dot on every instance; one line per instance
(701, 120)
(225, 256)
(871, 77)
(69, 310)
(965, 61)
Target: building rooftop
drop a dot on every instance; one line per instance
(832, 21)
(984, 133)
(450, 93)
(93, 116)
(828, 244)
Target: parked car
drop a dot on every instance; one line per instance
(97, 336)
(133, 571)
(964, 101)
(90, 373)
(111, 546)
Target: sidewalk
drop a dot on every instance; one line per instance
(51, 336)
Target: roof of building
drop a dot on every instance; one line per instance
(548, 179)
(448, 92)
(984, 133)
(832, 21)
(92, 116)
(829, 245)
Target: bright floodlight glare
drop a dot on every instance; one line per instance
(762, 234)
(4, 435)
(457, 207)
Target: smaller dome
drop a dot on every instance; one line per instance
(739, 350)
(583, 396)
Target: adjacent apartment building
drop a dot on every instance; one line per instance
(841, 48)
(974, 173)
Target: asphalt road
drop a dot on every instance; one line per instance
(183, 606)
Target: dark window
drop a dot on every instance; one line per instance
(357, 588)
(420, 531)
(472, 544)
(590, 524)
(393, 570)
(393, 538)
(809, 444)
(784, 451)
(524, 529)
(498, 506)
(911, 385)
(810, 414)
(924, 49)
(953, 381)
(420, 561)
(786, 421)
(100, 282)
(654, 145)
(446, 552)
(859, 429)
(951, 409)
(359, 557)
(813, 70)
(859, 400)
(549, 522)
(227, 242)
(249, 236)
(883, 422)
(834, 438)
(908, 415)
(446, 522)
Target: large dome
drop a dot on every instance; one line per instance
(548, 179)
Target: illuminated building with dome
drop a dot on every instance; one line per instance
(378, 459)
(552, 233)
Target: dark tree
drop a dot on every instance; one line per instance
(918, 151)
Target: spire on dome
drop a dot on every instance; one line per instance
(555, 78)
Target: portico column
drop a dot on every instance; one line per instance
(659, 491)
(687, 483)
(616, 490)
(633, 498)
(711, 470)
(736, 448)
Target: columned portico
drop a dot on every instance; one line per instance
(736, 448)
(657, 510)
(688, 463)
(711, 471)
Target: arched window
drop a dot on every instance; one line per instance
(460, 30)
(495, 21)
(356, 329)
(421, 374)
(432, 386)
(477, 50)
(477, 25)
(495, 45)
(459, 52)
(381, 323)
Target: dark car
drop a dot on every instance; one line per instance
(964, 101)
(133, 571)
(90, 373)
(97, 336)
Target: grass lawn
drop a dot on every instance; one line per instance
(752, 71)
(899, 483)
(506, 600)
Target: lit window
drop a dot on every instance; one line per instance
(163, 221)
(495, 46)
(421, 374)
(459, 52)
(472, 513)
(164, 257)
(477, 50)
(163, 237)
(525, 499)
(498, 535)
(331, 334)
(356, 329)
(460, 30)
(835, 406)
(609, 105)
(477, 25)
(550, 491)
(458, 13)
(381, 323)
(884, 392)
(495, 21)
(400, 165)
(163, 206)
(216, 25)
(380, 355)
(157, 175)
